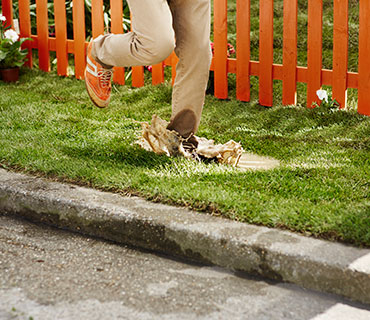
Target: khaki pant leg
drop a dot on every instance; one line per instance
(151, 41)
(191, 22)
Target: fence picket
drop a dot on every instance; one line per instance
(339, 78)
(266, 52)
(364, 60)
(242, 49)
(116, 8)
(314, 50)
(79, 36)
(25, 28)
(157, 74)
(97, 16)
(137, 76)
(220, 48)
(174, 60)
(290, 52)
(7, 10)
(340, 51)
(43, 34)
(61, 37)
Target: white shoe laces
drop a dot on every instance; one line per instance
(105, 76)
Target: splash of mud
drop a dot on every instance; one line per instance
(157, 138)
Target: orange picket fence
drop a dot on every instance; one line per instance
(339, 78)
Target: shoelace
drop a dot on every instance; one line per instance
(105, 75)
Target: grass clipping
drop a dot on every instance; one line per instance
(157, 138)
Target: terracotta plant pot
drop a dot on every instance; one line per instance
(10, 74)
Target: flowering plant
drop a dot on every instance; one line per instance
(11, 55)
(326, 99)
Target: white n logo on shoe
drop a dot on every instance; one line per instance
(92, 70)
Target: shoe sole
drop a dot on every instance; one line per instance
(96, 100)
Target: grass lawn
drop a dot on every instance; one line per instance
(48, 126)
(322, 188)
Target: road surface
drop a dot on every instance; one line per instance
(47, 273)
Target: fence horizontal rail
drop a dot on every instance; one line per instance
(277, 69)
(314, 75)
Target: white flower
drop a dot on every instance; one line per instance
(322, 95)
(2, 18)
(12, 35)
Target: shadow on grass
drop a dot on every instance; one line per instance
(125, 155)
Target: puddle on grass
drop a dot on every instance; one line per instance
(255, 162)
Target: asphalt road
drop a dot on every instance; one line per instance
(47, 273)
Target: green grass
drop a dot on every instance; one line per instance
(48, 126)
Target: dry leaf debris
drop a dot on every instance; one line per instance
(157, 138)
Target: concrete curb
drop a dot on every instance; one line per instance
(275, 254)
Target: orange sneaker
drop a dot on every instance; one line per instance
(97, 80)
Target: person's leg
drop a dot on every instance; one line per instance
(191, 22)
(150, 42)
